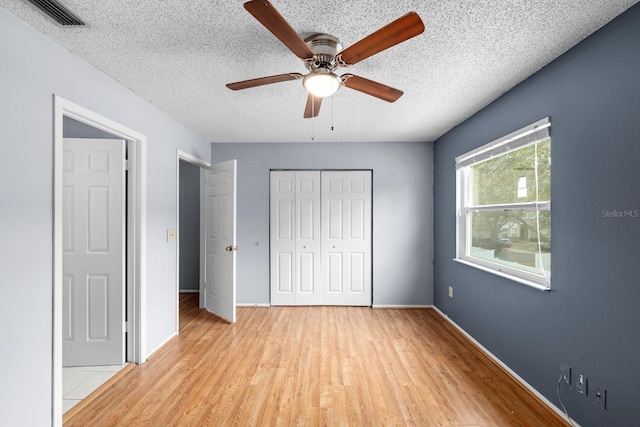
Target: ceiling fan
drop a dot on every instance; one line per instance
(323, 54)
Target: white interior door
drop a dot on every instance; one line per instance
(295, 238)
(346, 237)
(219, 287)
(93, 252)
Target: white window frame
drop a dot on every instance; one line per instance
(521, 138)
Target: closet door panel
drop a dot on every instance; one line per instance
(346, 239)
(282, 237)
(308, 238)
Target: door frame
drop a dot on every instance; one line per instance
(136, 242)
(202, 164)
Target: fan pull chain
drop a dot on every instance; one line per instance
(313, 119)
(331, 113)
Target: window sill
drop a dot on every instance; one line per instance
(511, 277)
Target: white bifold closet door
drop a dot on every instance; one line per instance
(320, 238)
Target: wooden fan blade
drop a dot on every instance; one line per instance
(245, 84)
(370, 87)
(268, 16)
(410, 25)
(313, 106)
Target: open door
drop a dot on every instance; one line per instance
(93, 252)
(218, 275)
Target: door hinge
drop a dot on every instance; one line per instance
(127, 165)
(126, 327)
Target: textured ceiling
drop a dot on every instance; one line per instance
(179, 55)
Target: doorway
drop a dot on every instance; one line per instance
(135, 242)
(217, 237)
(188, 214)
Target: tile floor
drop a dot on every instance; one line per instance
(79, 382)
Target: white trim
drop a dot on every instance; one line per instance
(542, 205)
(163, 343)
(189, 291)
(137, 246)
(401, 306)
(56, 363)
(136, 243)
(536, 131)
(506, 272)
(505, 367)
(380, 306)
(192, 159)
(203, 240)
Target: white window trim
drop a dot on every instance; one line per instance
(519, 139)
(522, 137)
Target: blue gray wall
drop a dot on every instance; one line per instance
(189, 277)
(590, 318)
(402, 212)
(32, 69)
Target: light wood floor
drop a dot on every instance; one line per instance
(309, 366)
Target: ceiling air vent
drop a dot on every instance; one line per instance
(58, 12)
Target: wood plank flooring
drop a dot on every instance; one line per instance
(308, 366)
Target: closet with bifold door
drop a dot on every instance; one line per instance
(320, 237)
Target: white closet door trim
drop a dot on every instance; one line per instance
(321, 237)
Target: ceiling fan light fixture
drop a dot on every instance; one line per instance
(321, 82)
(322, 54)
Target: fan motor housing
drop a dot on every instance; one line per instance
(325, 48)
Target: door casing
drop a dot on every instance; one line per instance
(136, 237)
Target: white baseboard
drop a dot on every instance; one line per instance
(189, 291)
(506, 368)
(396, 306)
(400, 306)
(172, 336)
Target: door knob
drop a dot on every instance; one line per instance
(228, 248)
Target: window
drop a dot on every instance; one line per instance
(504, 206)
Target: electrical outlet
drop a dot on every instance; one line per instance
(450, 291)
(581, 385)
(566, 373)
(600, 397)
